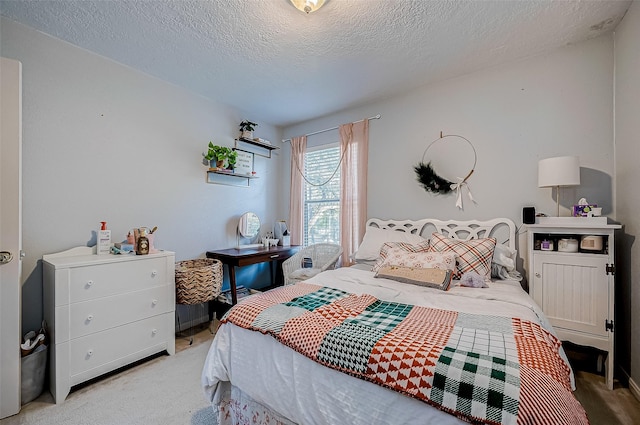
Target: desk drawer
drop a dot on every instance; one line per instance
(103, 280)
(98, 353)
(97, 315)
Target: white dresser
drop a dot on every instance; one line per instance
(105, 311)
(575, 290)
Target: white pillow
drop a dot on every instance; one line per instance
(374, 238)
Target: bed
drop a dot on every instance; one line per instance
(351, 347)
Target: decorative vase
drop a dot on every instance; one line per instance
(246, 134)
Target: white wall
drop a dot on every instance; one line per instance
(627, 128)
(105, 142)
(557, 104)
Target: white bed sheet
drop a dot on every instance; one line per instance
(309, 393)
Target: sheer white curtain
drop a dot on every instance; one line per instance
(354, 143)
(296, 203)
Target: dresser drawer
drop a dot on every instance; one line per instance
(94, 354)
(103, 280)
(97, 315)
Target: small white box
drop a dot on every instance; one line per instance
(286, 241)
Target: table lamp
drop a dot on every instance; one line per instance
(559, 172)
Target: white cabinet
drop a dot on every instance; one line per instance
(575, 289)
(105, 311)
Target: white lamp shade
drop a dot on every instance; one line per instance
(559, 171)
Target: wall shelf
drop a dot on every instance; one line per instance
(258, 148)
(228, 178)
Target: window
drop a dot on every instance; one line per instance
(322, 195)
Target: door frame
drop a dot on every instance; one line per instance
(10, 235)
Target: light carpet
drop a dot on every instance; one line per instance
(165, 391)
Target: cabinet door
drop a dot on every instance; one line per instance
(573, 291)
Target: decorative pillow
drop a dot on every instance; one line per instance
(433, 278)
(473, 255)
(503, 261)
(407, 255)
(375, 237)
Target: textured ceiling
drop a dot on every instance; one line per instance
(282, 67)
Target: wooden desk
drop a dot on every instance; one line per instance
(234, 257)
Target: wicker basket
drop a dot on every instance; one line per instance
(198, 281)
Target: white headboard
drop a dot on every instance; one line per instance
(503, 229)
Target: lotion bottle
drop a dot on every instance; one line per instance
(104, 239)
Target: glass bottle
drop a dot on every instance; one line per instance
(142, 246)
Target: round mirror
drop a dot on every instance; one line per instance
(249, 225)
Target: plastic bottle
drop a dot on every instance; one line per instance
(103, 245)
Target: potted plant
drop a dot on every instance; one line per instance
(224, 157)
(246, 129)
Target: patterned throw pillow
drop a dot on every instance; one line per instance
(407, 255)
(473, 255)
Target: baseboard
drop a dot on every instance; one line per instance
(634, 388)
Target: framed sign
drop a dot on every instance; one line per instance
(244, 163)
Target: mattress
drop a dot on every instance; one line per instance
(307, 392)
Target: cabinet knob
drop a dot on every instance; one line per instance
(537, 274)
(90, 352)
(154, 273)
(89, 317)
(154, 302)
(154, 331)
(90, 283)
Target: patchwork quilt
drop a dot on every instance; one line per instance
(482, 369)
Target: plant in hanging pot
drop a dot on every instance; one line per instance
(246, 129)
(221, 157)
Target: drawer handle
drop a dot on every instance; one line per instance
(90, 352)
(154, 273)
(275, 256)
(89, 317)
(90, 283)
(153, 332)
(154, 302)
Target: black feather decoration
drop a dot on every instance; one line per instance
(430, 180)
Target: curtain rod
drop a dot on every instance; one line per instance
(377, 117)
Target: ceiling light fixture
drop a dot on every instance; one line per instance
(307, 6)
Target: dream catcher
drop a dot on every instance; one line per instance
(434, 183)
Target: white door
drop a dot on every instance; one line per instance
(10, 234)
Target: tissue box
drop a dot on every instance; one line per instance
(583, 210)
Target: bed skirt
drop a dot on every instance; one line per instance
(237, 408)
